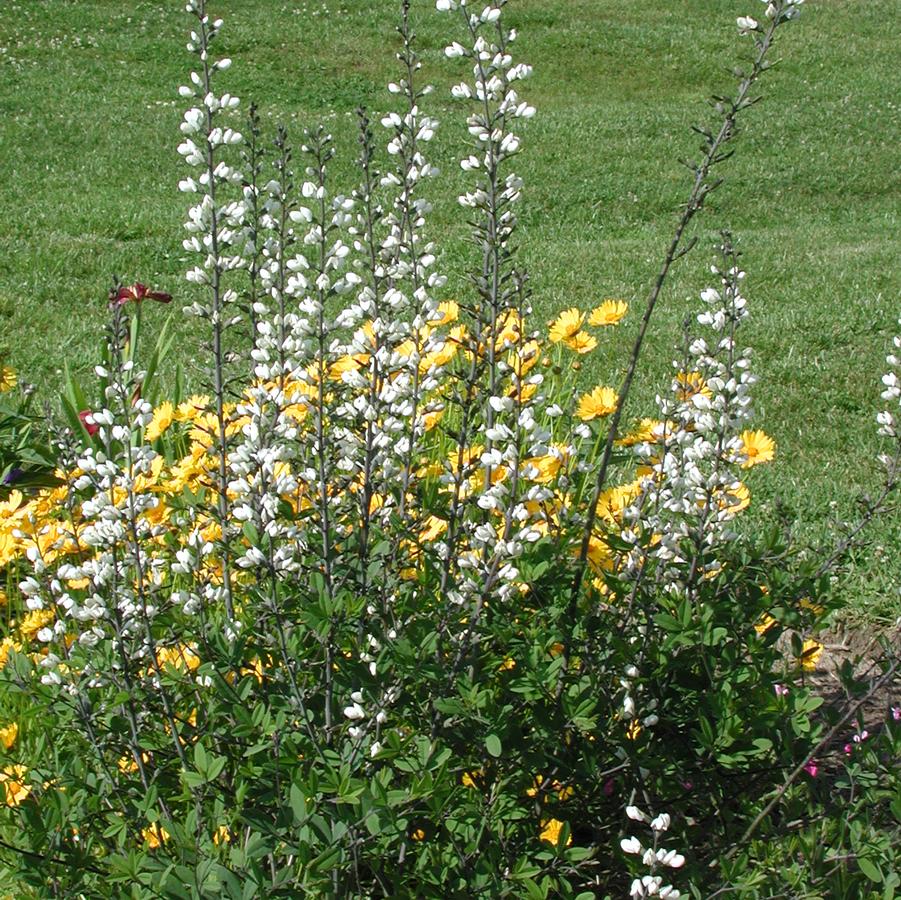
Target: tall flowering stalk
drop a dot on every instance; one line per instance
(714, 152)
(498, 323)
(252, 159)
(106, 638)
(692, 493)
(215, 225)
(408, 253)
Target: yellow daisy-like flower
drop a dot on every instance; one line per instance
(450, 312)
(765, 624)
(689, 384)
(8, 735)
(581, 342)
(222, 835)
(757, 447)
(254, 668)
(597, 404)
(155, 836)
(181, 657)
(648, 431)
(14, 788)
(808, 604)
(35, 621)
(550, 832)
(600, 556)
(127, 764)
(811, 651)
(434, 528)
(8, 379)
(566, 325)
(633, 730)
(543, 786)
(614, 501)
(522, 359)
(343, 364)
(471, 779)
(7, 645)
(191, 408)
(545, 468)
(610, 312)
(735, 498)
(163, 417)
(440, 357)
(509, 329)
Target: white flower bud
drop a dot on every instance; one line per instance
(631, 845)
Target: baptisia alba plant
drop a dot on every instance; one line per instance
(392, 607)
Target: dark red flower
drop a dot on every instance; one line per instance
(137, 292)
(89, 427)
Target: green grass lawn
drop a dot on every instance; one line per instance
(89, 118)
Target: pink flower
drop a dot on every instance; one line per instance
(88, 421)
(857, 739)
(136, 292)
(780, 689)
(812, 768)
(896, 713)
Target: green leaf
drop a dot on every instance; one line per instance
(200, 758)
(493, 745)
(75, 423)
(533, 891)
(193, 779)
(298, 804)
(215, 767)
(668, 622)
(160, 351)
(870, 869)
(179, 391)
(526, 870)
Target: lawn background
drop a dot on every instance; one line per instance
(89, 117)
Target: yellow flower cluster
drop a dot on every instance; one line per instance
(15, 787)
(567, 327)
(8, 379)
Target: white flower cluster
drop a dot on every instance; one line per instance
(116, 523)
(368, 722)
(302, 265)
(647, 717)
(887, 420)
(215, 225)
(405, 351)
(777, 10)
(653, 856)
(692, 493)
(511, 430)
